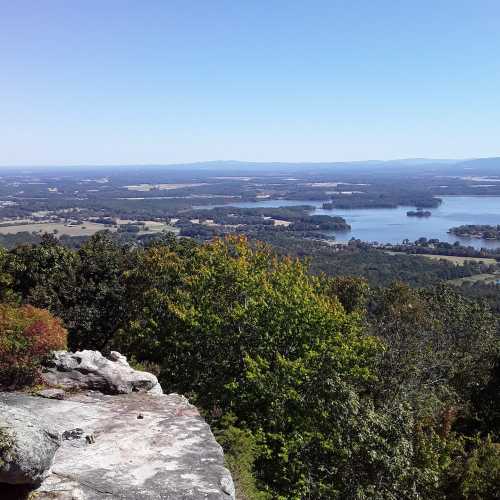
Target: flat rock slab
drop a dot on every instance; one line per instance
(108, 451)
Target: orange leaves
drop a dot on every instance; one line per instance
(27, 335)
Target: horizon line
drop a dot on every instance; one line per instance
(261, 162)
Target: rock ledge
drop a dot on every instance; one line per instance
(117, 436)
(108, 451)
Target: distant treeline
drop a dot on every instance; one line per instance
(436, 247)
(485, 232)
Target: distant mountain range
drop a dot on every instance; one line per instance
(448, 166)
(485, 165)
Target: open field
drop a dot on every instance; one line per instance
(87, 228)
(163, 187)
(459, 260)
(157, 227)
(456, 260)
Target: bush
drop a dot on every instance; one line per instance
(27, 336)
(456, 467)
(480, 477)
(5, 445)
(240, 450)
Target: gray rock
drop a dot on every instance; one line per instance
(51, 393)
(170, 454)
(119, 358)
(156, 390)
(27, 446)
(227, 486)
(91, 370)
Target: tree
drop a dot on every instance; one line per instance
(100, 303)
(7, 293)
(352, 292)
(86, 289)
(246, 333)
(45, 274)
(440, 346)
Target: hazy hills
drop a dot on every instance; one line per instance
(478, 166)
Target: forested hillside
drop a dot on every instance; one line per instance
(317, 387)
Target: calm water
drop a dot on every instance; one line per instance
(392, 225)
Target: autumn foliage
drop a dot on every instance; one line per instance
(27, 335)
(317, 387)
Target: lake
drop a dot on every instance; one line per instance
(392, 225)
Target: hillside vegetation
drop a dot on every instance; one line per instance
(316, 387)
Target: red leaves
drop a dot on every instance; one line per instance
(27, 335)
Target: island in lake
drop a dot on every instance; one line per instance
(485, 232)
(418, 213)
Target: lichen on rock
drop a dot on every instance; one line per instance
(28, 444)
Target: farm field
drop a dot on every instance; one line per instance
(456, 260)
(87, 228)
(459, 260)
(163, 187)
(157, 227)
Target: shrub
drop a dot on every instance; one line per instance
(240, 450)
(5, 445)
(27, 336)
(456, 466)
(480, 475)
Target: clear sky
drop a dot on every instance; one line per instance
(163, 81)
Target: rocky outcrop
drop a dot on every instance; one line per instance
(91, 370)
(133, 446)
(112, 434)
(27, 446)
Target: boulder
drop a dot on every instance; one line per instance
(108, 452)
(27, 446)
(51, 393)
(91, 370)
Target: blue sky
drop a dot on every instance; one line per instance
(161, 81)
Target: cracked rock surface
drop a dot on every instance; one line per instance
(107, 452)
